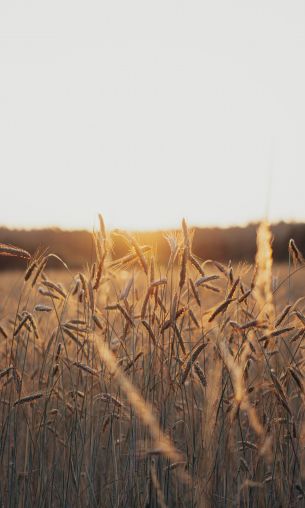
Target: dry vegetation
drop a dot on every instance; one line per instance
(132, 384)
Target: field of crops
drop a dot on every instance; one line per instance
(132, 384)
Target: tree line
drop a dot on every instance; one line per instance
(223, 244)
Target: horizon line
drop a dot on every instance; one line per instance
(152, 230)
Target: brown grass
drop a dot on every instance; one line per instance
(133, 384)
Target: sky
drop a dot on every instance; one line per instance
(150, 111)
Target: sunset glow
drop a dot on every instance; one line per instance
(150, 112)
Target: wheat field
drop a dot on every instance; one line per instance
(135, 384)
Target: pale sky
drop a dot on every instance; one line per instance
(151, 111)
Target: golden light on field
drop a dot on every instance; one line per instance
(151, 112)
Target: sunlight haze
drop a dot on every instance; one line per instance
(151, 111)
